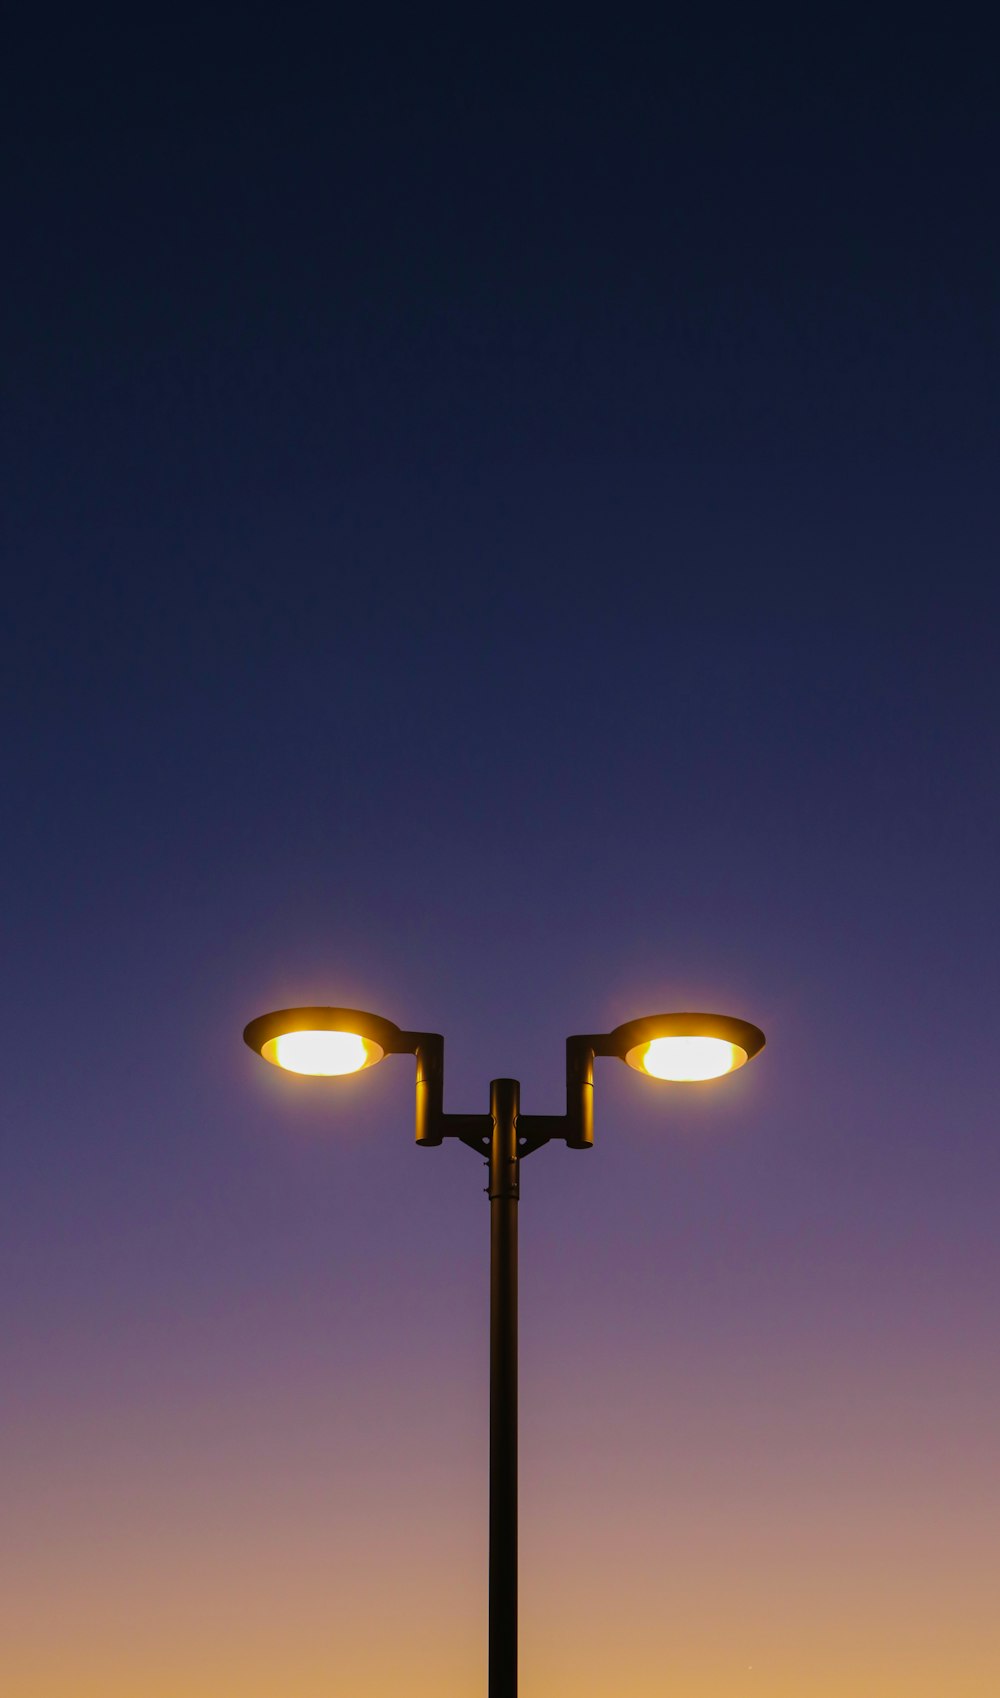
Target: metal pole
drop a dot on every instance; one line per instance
(503, 1192)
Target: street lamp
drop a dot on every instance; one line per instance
(678, 1047)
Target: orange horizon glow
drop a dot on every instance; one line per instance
(270, 1544)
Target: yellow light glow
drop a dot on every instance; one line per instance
(325, 1053)
(687, 1058)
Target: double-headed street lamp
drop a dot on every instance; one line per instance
(681, 1047)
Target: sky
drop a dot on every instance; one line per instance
(501, 531)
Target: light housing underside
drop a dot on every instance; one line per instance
(686, 1047)
(324, 1042)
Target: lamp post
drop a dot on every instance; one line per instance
(679, 1047)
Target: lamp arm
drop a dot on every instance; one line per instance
(576, 1126)
(432, 1124)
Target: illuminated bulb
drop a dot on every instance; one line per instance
(690, 1058)
(321, 1052)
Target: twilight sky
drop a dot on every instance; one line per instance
(502, 531)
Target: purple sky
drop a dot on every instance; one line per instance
(503, 534)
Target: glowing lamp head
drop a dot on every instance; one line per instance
(686, 1047)
(323, 1043)
(321, 1053)
(686, 1058)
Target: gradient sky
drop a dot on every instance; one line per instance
(502, 531)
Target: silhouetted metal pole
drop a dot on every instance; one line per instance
(503, 1191)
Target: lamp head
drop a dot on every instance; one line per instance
(685, 1047)
(323, 1041)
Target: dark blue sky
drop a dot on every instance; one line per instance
(501, 529)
